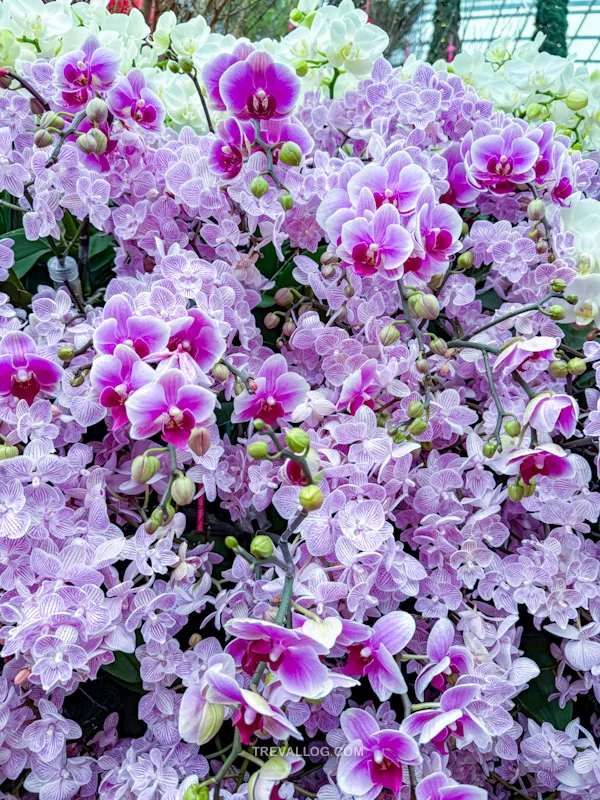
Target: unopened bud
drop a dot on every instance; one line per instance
(259, 186)
(541, 247)
(328, 271)
(439, 347)
(231, 542)
(465, 260)
(144, 468)
(556, 312)
(529, 488)
(290, 154)
(512, 427)
(576, 99)
(348, 291)
(389, 335)
(174, 67)
(196, 792)
(415, 409)
(22, 676)
(199, 441)
(151, 526)
(271, 321)
(97, 110)
(66, 353)
(42, 138)
(558, 285)
(284, 297)
(310, 498)
(50, 119)
(286, 201)
(515, 492)
(422, 366)
(186, 65)
(77, 380)
(259, 425)
(297, 440)
(261, 547)
(183, 490)
(35, 106)
(576, 366)
(8, 451)
(426, 306)
(194, 639)
(93, 142)
(220, 372)
(258, 450)
(296, 16)
(536, 210)
(534, 110)
(399, 437)
(489, 449)
(417, 427)
(571, 299)
(558, 369)
(288, 328)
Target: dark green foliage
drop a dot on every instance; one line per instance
(551, 19)
(446, 21)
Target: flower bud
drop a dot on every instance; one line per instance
(284, 297)
(290, 154)
(426, 306)
(174, 67)
(422, 366)
(8, 451)
(199, 441)
(93, 142)
(231, 542)
(220, 372)
(399, 437)
(297, 440)
(489, 449)
(389, 335)
(151, 526)
(286, 201)
(571, 299)
(529, 488)
(558, 285)
(558, 369)
(196, 792)
(77, 380)
(576, 366)
(310, 498)
(348, 291)
(50, 119)
(258, 450)
(97, 110)
(439, 347)
(144, 468)
(556, 312)
(288, 328)
(194, 639)
(541, 247)
(183, 490)
(66, 353)
(417, 427)
(43, 138)
(536, 210)
(35, 106)
(512, 427)
(186, 65)
(533, 111)
(259, 425)
(261, 547)
(271, 321)
(22, 676)
(465, 260)
(577, 99)
(515, 492)
(328, 271)
(259, 186)
(415, 409)
(296, 16)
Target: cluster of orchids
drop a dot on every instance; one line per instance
(309, 482)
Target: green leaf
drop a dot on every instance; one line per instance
(19, 296)
(125, 667)
(100, 242)
(534, 701)
(266, 301)
(490, 300)
(573, 338)
(27, 253)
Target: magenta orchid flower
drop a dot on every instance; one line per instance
(439, 786)
(545, 459)
(523, 352)
(376, 243)
(276, 393)
(437, 235)
(196, 335)
(375, 657)
(115, 377)
(135, 104)
(460, 193)
(549, 412)
(292, 656)
(227, 149)
(259, 88)
(23, 373)
(452, 718)
(373, 759)
(169, 406)
(216, 68)
(398, 182)
(146, 335)
(501, 160)
(446, 659)
(81, 73)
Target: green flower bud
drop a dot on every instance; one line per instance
(50, 119)
(97, 110)
(556, 312)
(231, 542)
(310, 498)
(199, 441)
(576, 366)
(258, 450)
(43, 138)
(77, 380)
(286, 201)
(529, 488)
(297, 440)
(196, 792)
(183, 490)
(259, 186)
(489, 449)
(465, 260)
(174, 67)
(259, 425)
(422, 366)
(417, 427)
(439, 347)
(515, 492)
(296, 16)
(144, 468)
(300, 66)
(533, 111)
(512, 427)
(220, 372)
(261, 547)
(571, 299)
(558, 369)
(186, 65)
(425, 306)
(399, 437)
(92, 142)
(536, 210)
(389, 335)
(66, 353)
(577, 99)
(8, 451)
(415, 409)
(558, 285)
(290, 154)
